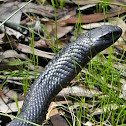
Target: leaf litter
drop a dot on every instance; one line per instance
(26, 47)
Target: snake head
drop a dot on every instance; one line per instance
(103, 37)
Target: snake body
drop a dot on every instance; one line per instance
(61, 70)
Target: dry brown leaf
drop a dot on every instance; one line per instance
(60, 32)
(118, 2)
(53, 113)
(3, 106)
(50, 108)
(33, 67)
(51, 21)
(13, 107)
(92, 2)
(7, 9)
(17, 78)
(28, 49)
(41, 43)
(94, 25)
(94, 17)
(84, 2)
(31, 7)
(11, 94)
(13, 53)
(63, 102)
(1, 94)
(10, 53)
(78, 91)
(67, 16)
(1, 37)
(8, 41)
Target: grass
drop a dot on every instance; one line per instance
(14, 13)
(101, 75)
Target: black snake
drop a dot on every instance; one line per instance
(61, 70)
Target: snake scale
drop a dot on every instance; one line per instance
(61, 70)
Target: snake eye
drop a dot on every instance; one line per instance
(107, 37)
